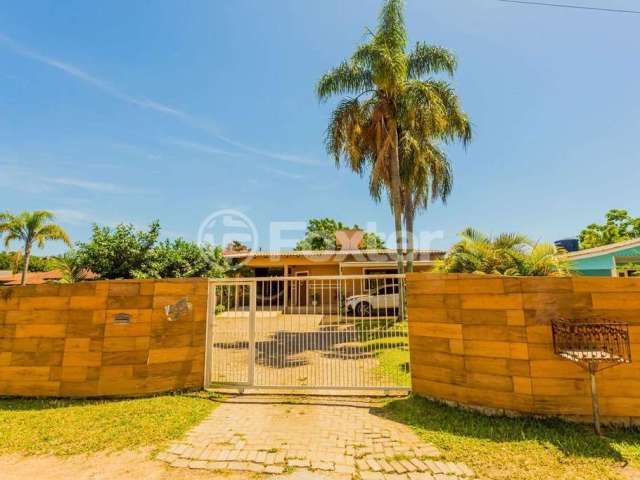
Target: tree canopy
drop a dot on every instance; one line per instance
(125, 252)
(618, 226)
(321, 235)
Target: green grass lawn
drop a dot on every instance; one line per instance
(500, 448)
(64, 427)
(393, 364)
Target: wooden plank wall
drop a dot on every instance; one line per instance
(61, 340)
(485, 341)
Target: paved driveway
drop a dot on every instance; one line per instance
(310, 437)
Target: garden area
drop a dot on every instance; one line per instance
(494, 447)
(523, 448)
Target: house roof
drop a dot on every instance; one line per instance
(36, 278)
(372, 255)
(603, 250)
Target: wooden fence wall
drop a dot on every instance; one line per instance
(485, 341)
(65, 340)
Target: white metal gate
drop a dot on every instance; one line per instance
(326, 333)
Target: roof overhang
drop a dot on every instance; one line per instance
(604, 250)
(390, 263)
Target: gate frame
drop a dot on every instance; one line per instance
(252, 282)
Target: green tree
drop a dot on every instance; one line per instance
(40, 264)
(121, 252)
(7, 260)
(387, 99)
(181, 258)
(505, 254)
(619, 226)
(124, 252)
(30, 228)
(321, 235)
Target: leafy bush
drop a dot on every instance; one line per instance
(14, 261)
(180, 258)
(124, 252)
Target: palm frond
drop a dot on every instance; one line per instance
(391, 27)
(51, 232)
(430, 59)
(348, 78)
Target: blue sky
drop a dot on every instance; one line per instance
(126, 111)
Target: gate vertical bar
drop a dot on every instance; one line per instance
(252, 331)
(208, 355)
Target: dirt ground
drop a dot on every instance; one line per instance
(299, 350)
(126, 465)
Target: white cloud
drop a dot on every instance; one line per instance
(147, 103)
(84, 184)
(74, 217)
(283, 173)
(199, 147)
(16, 177)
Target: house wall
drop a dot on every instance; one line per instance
(486, 342)
(61, 340)
(601, 265)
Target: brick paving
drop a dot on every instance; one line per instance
(280, 435)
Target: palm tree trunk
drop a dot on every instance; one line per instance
(396, 200)
(408, 220)
(396, 197)
(25, 266)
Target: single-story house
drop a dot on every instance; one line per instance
(348, 259)
(348, 265)
(616, 260)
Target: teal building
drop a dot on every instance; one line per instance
(616, 260)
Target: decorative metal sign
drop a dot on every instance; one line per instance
(181, 309)
(594, 344)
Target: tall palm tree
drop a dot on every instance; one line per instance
(30, 227)
(386, 96)
(364, 129)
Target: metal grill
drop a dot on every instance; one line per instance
(593, 344)
(342, 332)
(602, 341)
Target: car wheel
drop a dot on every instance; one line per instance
(363, 309)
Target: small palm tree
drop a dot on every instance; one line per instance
(542, 260)
(30, 227)
(70, 268)
(506, 254)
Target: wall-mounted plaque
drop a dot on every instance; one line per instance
(181, 309)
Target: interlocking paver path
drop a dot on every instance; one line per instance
(277, 435)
